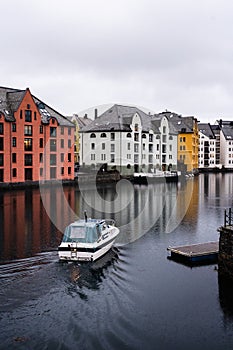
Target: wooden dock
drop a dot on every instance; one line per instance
(196, 253)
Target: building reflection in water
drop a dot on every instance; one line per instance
(27, 228)
(225, 285)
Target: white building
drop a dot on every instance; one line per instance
(129, 140)
(226, 143)
(209, 146)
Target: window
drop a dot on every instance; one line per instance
(41, 129)
(14, 142)
(143, 136)
(62, 130)
(69, 170)
(128, 156)
(41, 158)
(92, 135)
(13, 157)
(69, 157)
(150, 159)
(164, 138)
(62, 143)
(184, 139)
(136, 158)
(103, 146)
(62, 157)
(136, 127)
(28, 159)
(28, 116)
(136, 137)
(1, 159)
(92, 146)
(28, 130)
(164, 129)
(21, 114)
(53, 173)
(41, 171)
(92, 156)
(150, 148)
(62, 170)
(41, 143)
(112, 156)
(53, 159)
(150, 137)
(53, 131)
(112, 136)
(69, 143)
(103, 156)
(13, 127)
(27, 144)
(136, 148)
(112, 148)
(128, 146)
(69, 131)
(170, 148)
(53, 145)
(170, 156)
(157, 148)
(1, 129)
(1, 144)
(163, 148)
(143, 146)
(14, 172)
(103, 134)
(35, 117)
(128, 135)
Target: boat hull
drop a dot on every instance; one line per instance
(80, 252)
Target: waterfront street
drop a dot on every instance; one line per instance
(132, 298)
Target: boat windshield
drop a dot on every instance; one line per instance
(82, 234)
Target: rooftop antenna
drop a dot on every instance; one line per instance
(85, 215)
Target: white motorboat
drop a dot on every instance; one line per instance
(87, 240)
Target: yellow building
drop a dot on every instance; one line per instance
(187, 145)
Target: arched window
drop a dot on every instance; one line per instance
(158, 137)
(92, 135)
(143, 136)
(103, 134)
(170, 138)
(128, 135)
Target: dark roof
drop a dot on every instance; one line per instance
(207, 130)
(10, 100)
(181, 124)
(227, 129)
(118, 118)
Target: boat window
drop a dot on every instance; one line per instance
(80, 234)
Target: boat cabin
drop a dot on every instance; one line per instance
(84, 231)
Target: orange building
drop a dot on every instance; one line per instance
(36, 142)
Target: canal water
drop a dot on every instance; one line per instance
(134, 297)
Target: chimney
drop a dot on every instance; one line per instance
(220, 123)
(85, 116)
(96, 113)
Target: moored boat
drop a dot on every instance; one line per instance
(87, 240)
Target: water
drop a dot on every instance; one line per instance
(132, 298)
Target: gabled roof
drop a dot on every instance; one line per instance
(227, 129)
(118, 118)
(180, 123)
(10, 100)
(207, 130)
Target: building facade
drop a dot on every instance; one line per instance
(36, 142)
(188, 140)
(129, 140)
(209, 146)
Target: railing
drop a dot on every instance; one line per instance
(228, 217)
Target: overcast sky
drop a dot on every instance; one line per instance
(159, 54)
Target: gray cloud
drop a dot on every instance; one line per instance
(161, 54)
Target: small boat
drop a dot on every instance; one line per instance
(87, 240)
